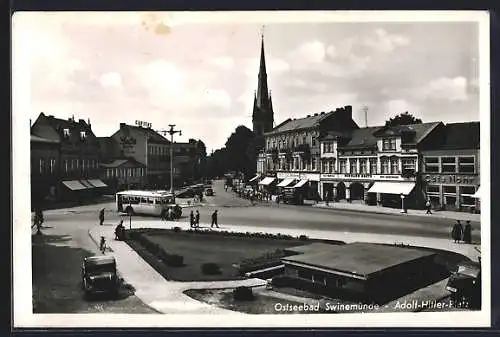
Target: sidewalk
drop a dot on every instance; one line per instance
(462, 216)
(167, 296)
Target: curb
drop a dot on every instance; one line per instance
(97, 244)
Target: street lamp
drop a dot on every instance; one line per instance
(172, 132)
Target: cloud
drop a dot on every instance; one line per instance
(383, 42)
(444, 89)
(307, 53)
(217, 97)
(161, 75)
(111, 79)
(225, 63)
(396, 106)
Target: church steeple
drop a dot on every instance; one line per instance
(263, 115)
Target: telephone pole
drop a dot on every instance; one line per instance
(172, 132)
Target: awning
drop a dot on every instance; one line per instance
(97, 183)
(285, 182)
(74, 185)
(300, 183)
(477, 194)
(392, 187)
(267, 181)
(254, 178)
(86, 184)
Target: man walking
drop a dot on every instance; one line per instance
(101, 217)
(191, 219)
(428, 206)
(457, 232)
(467, 234)
(214, 220)
(197, 219)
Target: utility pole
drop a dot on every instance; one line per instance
(171, 132)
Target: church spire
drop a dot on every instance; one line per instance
(262, 91)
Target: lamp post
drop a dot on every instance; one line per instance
(172, 132)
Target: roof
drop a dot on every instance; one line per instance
(43, 140)
(311, 248)
(120, 161)
(301, 123)
(152, 135)
(100, 259)
(459, 136)
(357, 258)
(420, 130)
(363, 137)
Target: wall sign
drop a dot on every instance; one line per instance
(451, 179)
(143, 124)
(298, 175)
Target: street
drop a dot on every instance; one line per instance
(58, 253)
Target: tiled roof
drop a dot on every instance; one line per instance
(363, 137)
(43, 140)
(301, 123)
(421, 130)
(152, 135)
(460, 136)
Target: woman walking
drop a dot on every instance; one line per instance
(457, 232)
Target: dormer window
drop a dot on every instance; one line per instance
(66, 133)
(389, 144)
(83, 135)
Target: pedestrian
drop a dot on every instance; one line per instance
(457, 231)
(197, 219)
(467, 234)
(214, 220)
(428, 206)
(170, 214)
(191, 219)
(102, 245)
(101, 217)
(120, 231)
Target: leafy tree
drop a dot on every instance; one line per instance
(403, 119)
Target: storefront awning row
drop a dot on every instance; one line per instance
(74, 185)
(254, 179)
(285, 182)
(300, 183)
(386, 187)
(78, 185)
(97, 183)
(477, 195)
(266, 181)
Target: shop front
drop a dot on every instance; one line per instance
(457, 192)
(297, 187)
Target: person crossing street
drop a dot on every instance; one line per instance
(214, 220)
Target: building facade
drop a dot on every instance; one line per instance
(263, 114)
(451, 168)
(124, 174)
(292, 149)
(45, 167)
(78, 169)
(376, 165)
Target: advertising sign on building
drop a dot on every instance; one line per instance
(451, 179)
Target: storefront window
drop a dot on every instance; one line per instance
(363, 169)
(432, 189)
(343, 165)
(466, 164)
(450, 189)
(373, 166)
(448, 165)
(353, 166)
(431, 164)
(385, 165)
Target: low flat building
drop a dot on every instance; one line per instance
(369, 272)
(124, 174)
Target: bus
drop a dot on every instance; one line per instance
(147, 202)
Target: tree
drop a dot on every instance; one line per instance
(403, 119)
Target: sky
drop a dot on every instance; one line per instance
(201, 76)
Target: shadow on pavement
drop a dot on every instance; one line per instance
(56, 267)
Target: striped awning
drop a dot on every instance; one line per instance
(86, 184)
(300, 183)
(97, 183)
(386, 187)
(285, 182)
(74, 185)
(254, 178)
(267, 181)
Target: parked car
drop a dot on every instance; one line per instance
(99, 275)
(465, 285)
(209, 192)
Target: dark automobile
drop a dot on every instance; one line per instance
(99, 275)
(186, 193)
(465, 285)
(209, 192)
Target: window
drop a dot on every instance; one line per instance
(66, 166)
(328, 147)
(77, 162)
(373, 166)
(52, 165)
(394, 165)
(409, 165)
(42, 165)
(313, 142)
(314, 162)
(385, 165)
(431, 164)
(83, 135)
(363, 169)
(466, 164)
(66, 133)
(353, 166)
(448, 165)
(389, 144)
(466, 193)
(450, 189)
(343, 165)
(83, 164)
(325, 166)
(331, 164)
(432, 189)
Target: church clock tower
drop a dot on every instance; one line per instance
(263, 115)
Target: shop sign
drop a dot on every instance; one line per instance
(298, 175)
(452, 179)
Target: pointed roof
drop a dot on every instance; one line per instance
(262, 90)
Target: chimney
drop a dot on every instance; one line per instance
(81, 121)
(348, 111)
(316, 114)
(88, 122)
(308, 116)
(122, 125)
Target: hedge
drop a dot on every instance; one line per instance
(210, 268)
(243, 294)
(155, 249)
